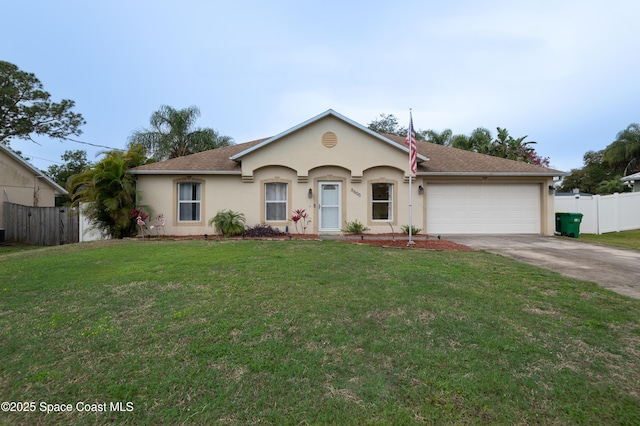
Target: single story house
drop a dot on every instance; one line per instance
(337, 171)
(21, 183)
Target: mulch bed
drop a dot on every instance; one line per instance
(401, 241)
(419, 244)
(422, 242)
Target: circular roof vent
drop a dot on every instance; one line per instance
(329, 139)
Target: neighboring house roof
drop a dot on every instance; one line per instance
(436, 159)
(633, 177)
(57, 188)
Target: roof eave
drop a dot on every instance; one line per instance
(518, 174)
(184, 172)
(633, 177)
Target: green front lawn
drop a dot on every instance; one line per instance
(7, 248)
(625, 239)
(309, 332)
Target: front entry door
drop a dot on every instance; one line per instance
(330, 206)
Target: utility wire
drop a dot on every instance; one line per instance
(93, 144)
(71, 140)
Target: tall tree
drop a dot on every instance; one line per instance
(26, 109)
(75, 162)
(624, 153)
(588, 178)
(108, 192)
(387, 123)
(173, 134)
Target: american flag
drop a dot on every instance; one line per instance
(410, 141)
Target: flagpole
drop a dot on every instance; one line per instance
(411, 242)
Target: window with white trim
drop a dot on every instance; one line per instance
(275, 198)
(189, 201)
(382, 201)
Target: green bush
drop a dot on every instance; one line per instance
(355, 227)
(228, 223)
(414, 230)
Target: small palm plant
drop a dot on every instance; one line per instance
(355, 227)
(228, 223)
(414, 230)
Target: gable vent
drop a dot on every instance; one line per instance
(329, 139)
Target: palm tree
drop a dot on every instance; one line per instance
(108, 192)
(610, 186)
(506, 146)
(228, 223)
(461, 142)
(173, 134)
(480, 141)
(442, 138)
(624, 152)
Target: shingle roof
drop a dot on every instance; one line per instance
(443, 160)
(215, 161)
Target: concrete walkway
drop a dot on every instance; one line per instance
(615, 269)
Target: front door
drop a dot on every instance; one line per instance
(330, 206)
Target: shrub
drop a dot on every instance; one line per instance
(228, 223)
(301, 217)
(355, 227)
(414, 230)
(262, 231)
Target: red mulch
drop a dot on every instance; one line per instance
(421, 242)
(379, 240)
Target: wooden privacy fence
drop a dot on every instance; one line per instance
(46, 226)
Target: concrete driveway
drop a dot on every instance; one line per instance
(612, 268)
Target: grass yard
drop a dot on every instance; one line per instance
(7, 248)
(625, 239)
(308, 332)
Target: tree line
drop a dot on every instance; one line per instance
(480, 140)
(603, 169)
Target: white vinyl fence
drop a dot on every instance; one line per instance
(603, 213)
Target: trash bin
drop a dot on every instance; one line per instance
(568, 224)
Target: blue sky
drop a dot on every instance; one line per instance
(563, 72)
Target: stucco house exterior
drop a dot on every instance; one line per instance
(337, 171)
(21, 183)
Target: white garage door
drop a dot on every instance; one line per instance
(483, 209)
